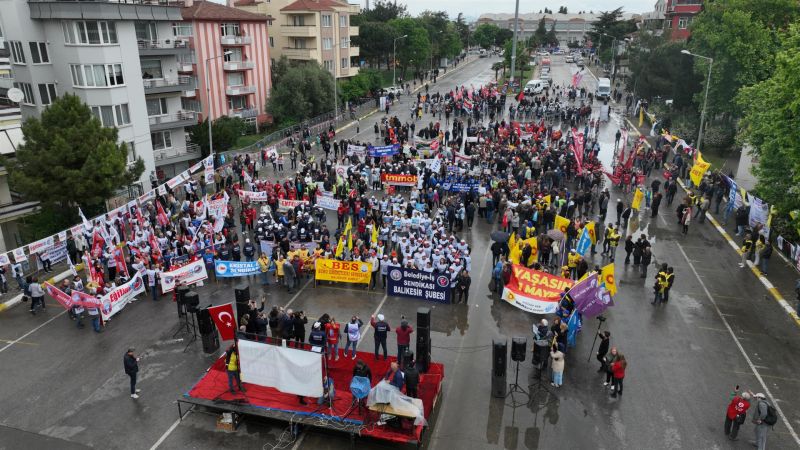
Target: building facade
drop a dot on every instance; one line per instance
(679, 15)
(311, 30)
(568, 27)
(653, 21)
(231, 60)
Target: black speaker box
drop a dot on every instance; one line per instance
(210, 342)
(205, 324)
(499, 364)
(242, 293)
(518, 348)
(423, 348)
(423, 317)
(191, 300)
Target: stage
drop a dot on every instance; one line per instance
(212, 392)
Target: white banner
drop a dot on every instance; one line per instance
(188, 274)
(114, 301)
(218, 208)
(357, 150)
(253, 196)
(208, 169)
(328, 202)
(175, 181)
(288, 370)
(196, 166)
(19, 254)
(341, 170)
(55, 254)
(147, 196)
(41, 245)
(284, 204)
(77, 229)
(4, 260)
(162, 190)
(62, 236)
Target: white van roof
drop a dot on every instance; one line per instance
(534, 82)
(604, 81)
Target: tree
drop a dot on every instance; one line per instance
(743, 38)
(462, 29)
(552, 38)
(366, 82)
(279, 69)
(375, 40)
(485, 35)
(226, 130)
(658, 69)
(769, 124)
(503, 35)
(306, 91)
(415, 49)
(523, 59)
(562, 10)
(497, 67)
(69, 159)
(539, 36)
(610, 25)
(381, 11)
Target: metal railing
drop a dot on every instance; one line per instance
(165, 82)
(163, 44)
(177, 116)
(176, 152)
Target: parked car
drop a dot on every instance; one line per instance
(568, 59)
(395, 90)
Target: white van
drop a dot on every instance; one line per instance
(535, 87)
(603, 88)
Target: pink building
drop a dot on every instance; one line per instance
(234, 45)
(679, 16)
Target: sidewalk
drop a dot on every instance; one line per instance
(782, 274)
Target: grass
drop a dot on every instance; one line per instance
(520, 75)
(248, 139)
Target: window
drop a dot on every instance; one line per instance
(17, 55)
(345, 63)
(234, 56)
(47, 93)
(229, 29)
(326, 20)
(96, 75)
(131, 152)
(151, 68)
(236, 79)
(28, 91)
(156, 106)
(299, 43)
(327, 43)
(89, 32)
(190, 104)
(112, 115)
(146, 31)
(237, 102)
(298, 21)
(39, 53)
(328, 64)
(182, 29)
(161, 140)
(342, 21)
(344, 43)
(271, 42)
(682, 21)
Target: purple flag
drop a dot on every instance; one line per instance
(590, 298)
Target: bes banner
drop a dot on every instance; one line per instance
(188, 274)
(534, 291)
(114, 301)
(418, 284)
(343, 271)
(229, 269)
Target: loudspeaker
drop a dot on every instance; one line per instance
(191, 300)
(423, 348)
(204, 322)
(519, 346)
(242, 296)
(210, 342)
(423, 317)
(499, 363)
(180, 293)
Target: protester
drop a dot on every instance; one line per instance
(602, 350)
(131, 364)
(352, 330)
(736, 413)
(332, 335)
(557, 365)
(618, 372)
(395, 376)
(381, 331)
(764, 417)
(232, 368)
(403, 338)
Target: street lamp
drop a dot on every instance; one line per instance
(613, 54)
(435, 34)
(335, 95)
(208, 101)
(705, 97)
(394, 56)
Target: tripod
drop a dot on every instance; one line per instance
(600, 320)
(515, 388)
(191, 326)
(539, 386)
(183, 321)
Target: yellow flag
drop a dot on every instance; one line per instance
(592, 233)
(561, 224)
(375, 235)
(607, 277)
(349, 225)
(514, 254)
(534, 243)
(512, 241)
(699, 169)
(349, 241)
(641, 116)
(340, 246)
(546, 199)
(637, 199)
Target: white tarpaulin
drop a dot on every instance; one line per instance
(286, 369)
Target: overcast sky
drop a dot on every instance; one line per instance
(474, 8)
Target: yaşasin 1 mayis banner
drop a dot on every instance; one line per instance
(534, 291)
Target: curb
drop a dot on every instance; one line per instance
(17, 299)
(776, 295)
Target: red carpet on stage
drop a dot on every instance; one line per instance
(214, 386)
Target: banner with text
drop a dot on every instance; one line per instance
(397, 179)
(114, 301)
(418, 284)
(188, 274)
(229, 269)
(343, 271)
(534, 291)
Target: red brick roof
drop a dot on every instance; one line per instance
(313, 5)
(206, 10)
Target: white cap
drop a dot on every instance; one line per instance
(380, 316)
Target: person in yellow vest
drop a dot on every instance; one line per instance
(564, 271)
(572, 263)
(279, 267)
(613, 242)
(264, 265)
(661, 286)
(232, 367)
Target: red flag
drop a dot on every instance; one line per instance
(155, 250)
(161, 215)
(98, 243)
(224, 320)
(520, 96)
(119, 257)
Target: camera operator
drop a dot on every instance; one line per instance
(602, 350)
(299, 320)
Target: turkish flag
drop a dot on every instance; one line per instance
(225, 320)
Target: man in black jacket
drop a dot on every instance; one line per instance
(381, 331)
(131, 364)
(463, 287)
(412, 379)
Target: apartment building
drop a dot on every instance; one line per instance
(231, 59)
(568, 27)
(311, 30)
(121, 59)
(679, 15)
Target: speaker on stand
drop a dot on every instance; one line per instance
(191, 300)
(423, 339)
(519, 346)
(499, 364)
(180, 294)
(208, 331)
(242, 297)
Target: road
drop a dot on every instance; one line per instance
(65, 388)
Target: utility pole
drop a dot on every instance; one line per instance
(514, 43)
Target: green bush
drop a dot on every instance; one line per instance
(719, 138)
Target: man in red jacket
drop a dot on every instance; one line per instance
(737, 413)
(403, 339)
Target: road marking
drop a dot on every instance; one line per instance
(286, 306)
(19, 339)
(741, 349)
(170, 430)
(18, 342)
(795, 380)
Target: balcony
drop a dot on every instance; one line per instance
(185, 67)
(354, 51)
(162, 85)
(163, 47)
(299, 53)
(166, 10)
(238, 65)
(240, 90)
(353, 31)
(189, 94)
(6, 82)
(244, 113)
(176, 154)
(236, 40)
(299, 31)
(178, 119)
